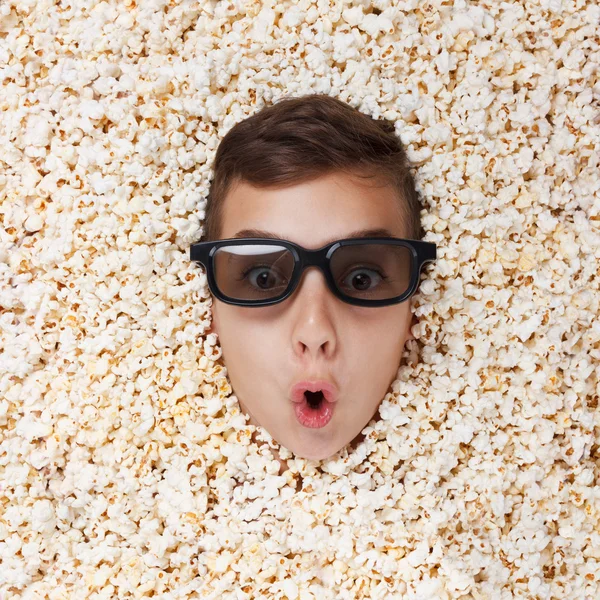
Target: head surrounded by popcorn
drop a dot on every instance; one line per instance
(312, 341)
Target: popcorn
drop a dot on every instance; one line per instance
(43, 517)
(120, 435)
(30, 428)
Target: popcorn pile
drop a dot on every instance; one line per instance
(126, 467)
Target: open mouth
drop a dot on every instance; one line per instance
(314, 399)
(314, 411)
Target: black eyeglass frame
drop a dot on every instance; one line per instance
(421, 253)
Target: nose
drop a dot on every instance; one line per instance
(314, 330)
(313, 284)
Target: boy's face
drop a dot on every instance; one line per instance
(312, 334)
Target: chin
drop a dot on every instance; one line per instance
(307, 455)
(313, 457)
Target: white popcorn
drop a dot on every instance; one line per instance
(263, 25)
(292, 17)
(31, 428)
(43, 516)
(102, 185)
(91, 109)
(353, 16)
(373, 25)
(38, 130)
(528, 326)
(290, 589)
(122, 439)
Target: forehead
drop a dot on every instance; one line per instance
(313, 212)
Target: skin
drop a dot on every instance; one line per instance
(268, 349)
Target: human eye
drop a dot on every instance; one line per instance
(366, 280)
(266, 277)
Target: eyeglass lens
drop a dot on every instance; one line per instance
(263, 272)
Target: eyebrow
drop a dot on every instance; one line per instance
(360, 233)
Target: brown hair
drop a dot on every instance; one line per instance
(299, 139)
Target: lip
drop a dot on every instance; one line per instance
(330, 391)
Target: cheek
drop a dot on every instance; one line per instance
(247, 341)
(378, 351)
(385, 333)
